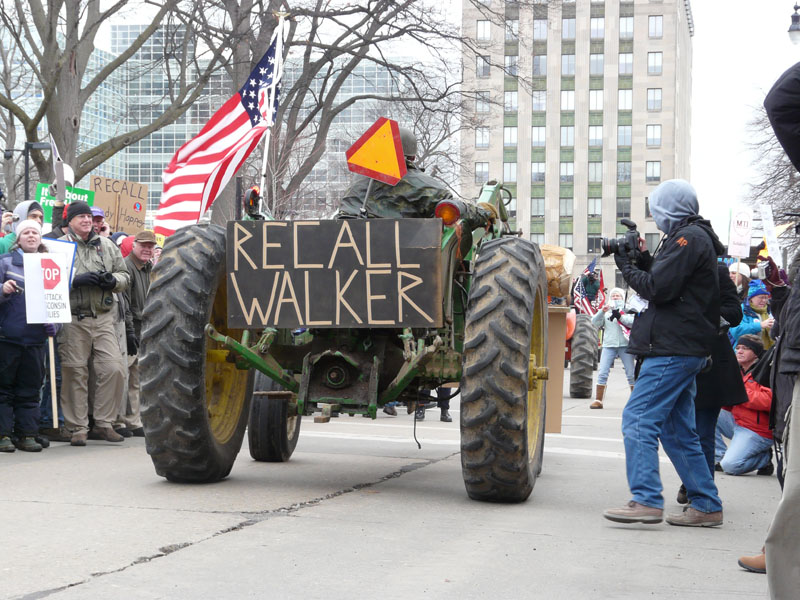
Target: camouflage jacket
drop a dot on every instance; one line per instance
(415, 196)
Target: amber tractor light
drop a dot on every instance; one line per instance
(448, 212)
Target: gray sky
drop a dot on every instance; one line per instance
(740, 48)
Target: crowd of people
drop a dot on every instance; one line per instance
(95, 355)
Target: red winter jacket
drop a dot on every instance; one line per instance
(754, 414)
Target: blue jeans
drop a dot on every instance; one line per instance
(747, 452)
(662, 406)
(607, 359)
(725, 426)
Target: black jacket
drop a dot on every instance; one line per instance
(681, 286)
(783, 110)
(722, 385)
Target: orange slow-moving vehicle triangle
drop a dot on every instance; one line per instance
(379, 153)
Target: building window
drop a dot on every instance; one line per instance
(595, 135)
(565, 207)
(483, 31)
(510, 101)
(540, 65)
(567, 136)
(626, 28)
(482, 66)
(511, 65)
(539, 100)
(509, 137)
(653, 171)
(481, 172)
(625, 100)
(595, 172)
(595, 64)
(481, 137)
(512, 207)
(626, 63)
(538, 136)
(654, 99)
(593, 245)
(623, 172)
(567, 29)
(567, 172)
(512, 30)
(568, 64)
(537, 238)
(565, 240)
(654, 60)
(652, 241)
(595, 207)
(624, 134)
(540, 30)
(482, 102)
(624, 208)
(509, 172)
(537, 207)
(597, 27)
(595, 99)
(655, 25)
(654, 135)
(537, 172)
(567, 100)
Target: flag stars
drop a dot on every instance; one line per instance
(252, 82)
(262, 70)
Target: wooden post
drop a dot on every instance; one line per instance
(53, 394)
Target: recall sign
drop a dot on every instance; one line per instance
(342, 273)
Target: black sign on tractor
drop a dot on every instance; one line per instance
(343, 273)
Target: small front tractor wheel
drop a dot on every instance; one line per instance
(503, 387)
(195, 402)
(584, 355)
(272, 432)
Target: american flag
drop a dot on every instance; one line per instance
(205, 164)
(589, 307)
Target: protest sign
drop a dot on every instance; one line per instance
(739, 235)
(46, 288)
(66, 248)
(770, 235)
(72, 194)
(124, 202)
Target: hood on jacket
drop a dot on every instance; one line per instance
(22, 210)
(671, 202)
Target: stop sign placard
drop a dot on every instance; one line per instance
(51, 273)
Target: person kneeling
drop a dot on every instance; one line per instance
(751, 438)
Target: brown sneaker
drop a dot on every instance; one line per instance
(78, 438)
(56, 435)
(754, 564)
(107, 434)
(596, 404)
(691, 517)
(633, 512)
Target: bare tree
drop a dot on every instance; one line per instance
(55, 42)
(778, 182)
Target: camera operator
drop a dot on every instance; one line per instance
(99, 272)
(673, 337)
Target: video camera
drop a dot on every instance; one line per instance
(627, 244)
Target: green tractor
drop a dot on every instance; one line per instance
(206, 375)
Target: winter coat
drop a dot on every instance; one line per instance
(722, 385)
(754, 414)
(137, 291)
(613, 337)
(681, 285)
(21, 210)
(786, 363)
(750, 324)
(14, 327)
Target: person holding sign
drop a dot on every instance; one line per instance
(22, 347)
(91, 336)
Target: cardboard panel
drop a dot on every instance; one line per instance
(124, 202)
(343, 273)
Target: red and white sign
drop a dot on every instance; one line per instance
(739, 234)
(46, 288)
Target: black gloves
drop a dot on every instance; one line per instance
(133, 344)
(614, 314)
(51, 329)
(106, 281)
(621, 260)
(86, 279)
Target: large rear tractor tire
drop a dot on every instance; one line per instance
(195, 403)
(502, 391)
(272, 432)
(584, 355)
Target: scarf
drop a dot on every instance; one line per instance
(763, 314)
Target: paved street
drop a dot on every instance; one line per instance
(359, 511)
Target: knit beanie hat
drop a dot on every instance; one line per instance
(752, 342)
(79, 207)
(28, 224)
(756, 289)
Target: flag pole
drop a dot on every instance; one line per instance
(271, 92)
